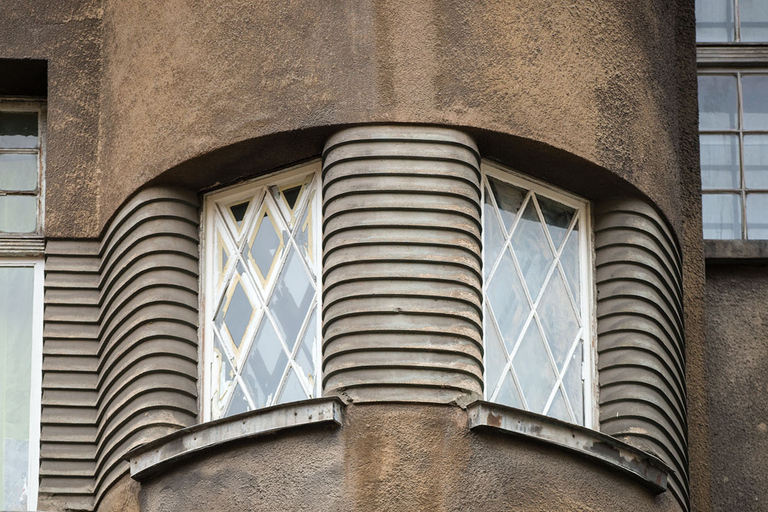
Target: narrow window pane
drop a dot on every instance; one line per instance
(16, 306)
(722, 216)
(719, 161)
(756, 161)
(18, 172)
(754, 89)
(754, 20)
(718, 102)
(18, 130)
(18, 214)
(715, 21)
(757, 216)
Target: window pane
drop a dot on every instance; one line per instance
(18, 214)
(16, 307)
(721, 216)
(753, 15)
(18, 172)
(720, 161)
(18, 130)
(756, 161)
(757, 216)
(714, 21)
(718, 103)
(754, 89)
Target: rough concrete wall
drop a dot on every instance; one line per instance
(396, 457)
(597, 79)
(737, 365)
(68, 34)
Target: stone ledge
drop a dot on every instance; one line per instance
(153, 457)
(643, 467)
(736, 252)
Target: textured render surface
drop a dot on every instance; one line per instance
(402, 303)
(737, 364)
(66, 33)
(641, 361)
(597, 79)
(120, 345)
(396, 457)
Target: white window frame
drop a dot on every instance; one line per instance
(36, 377)
(587, 262)
(232, 194)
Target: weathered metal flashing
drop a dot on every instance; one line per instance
(646, 469)
(162, 453)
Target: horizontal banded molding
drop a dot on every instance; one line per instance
(402, 302)
(120, 343)
(21, 245)
(732, 55)
(641, 358)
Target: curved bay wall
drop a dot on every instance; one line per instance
(402, 302)
(641, 352)
(120, 343)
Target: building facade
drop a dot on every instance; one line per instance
(381, 255)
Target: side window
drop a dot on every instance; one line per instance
(261, 309)
(733, 117)
(537, 293)
(21, 301)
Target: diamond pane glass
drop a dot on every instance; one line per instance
(226, 373)
(558, 319)
(558, 409)
(18, 172)
(306, 355)
(238, 212)
(266, 246)
(494, 235)
(507, 300)
(532, 249)
(569, 259)
(304, 239)
(573, 384)
(557, 217)
(495, 355)
(509, 199)
(508, 393)
(292, 389)
(265, 365)
(719, 161)
(235, 314)
(291, 298)
(239, 403)
(534, 370)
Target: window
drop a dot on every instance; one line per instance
(733, 117)
(261, 303)
(537, 292)
(21, 301)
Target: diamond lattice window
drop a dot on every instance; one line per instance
(537, 311)
(261, 301)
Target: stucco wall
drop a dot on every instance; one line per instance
(396, 457)
(737, 364)
(597, 79)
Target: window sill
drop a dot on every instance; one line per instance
(646, 469)
(736, 252)
(153, 457)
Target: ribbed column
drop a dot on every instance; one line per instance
(402, 265)
(640, 334)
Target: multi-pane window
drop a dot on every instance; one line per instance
(262, 305)
(538, 342)
(20, 168)
(727, 21)
(21, 302)
(733, 124)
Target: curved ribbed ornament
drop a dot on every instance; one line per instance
(640, 334)
(402, 265)
(120, 343)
